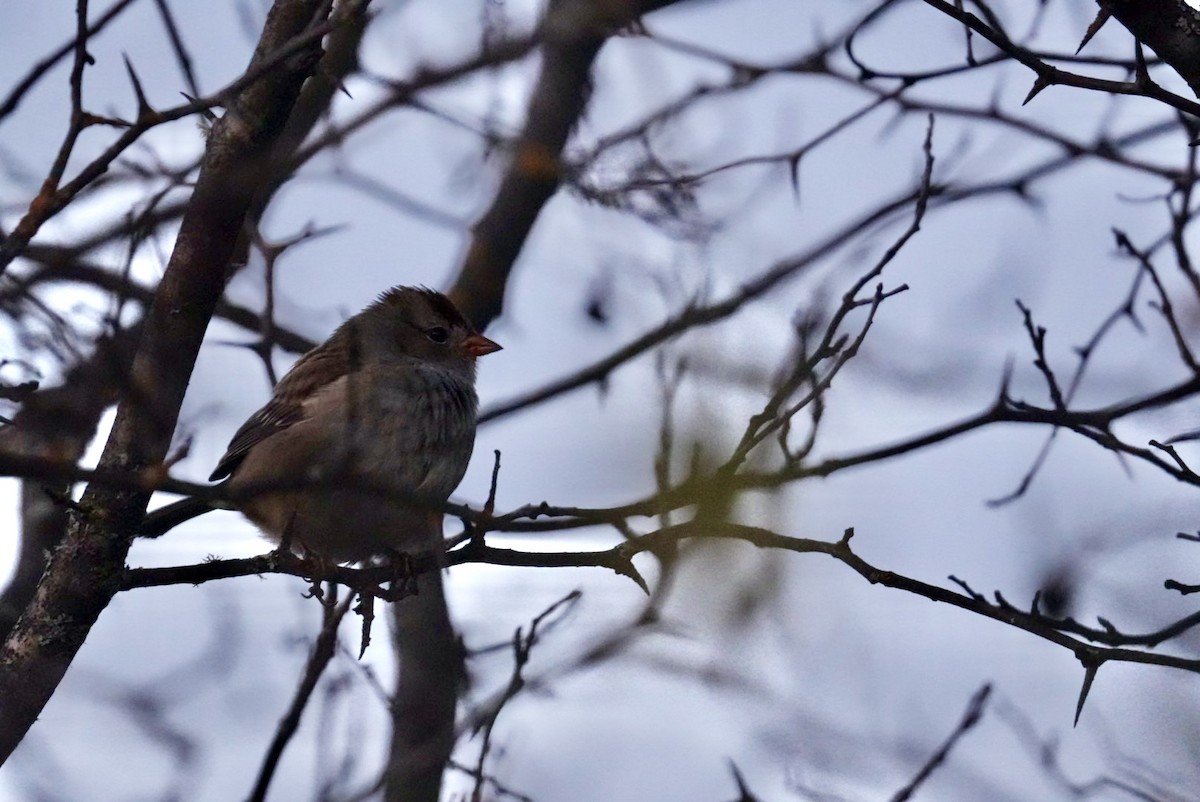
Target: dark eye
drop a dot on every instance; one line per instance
(437, 334)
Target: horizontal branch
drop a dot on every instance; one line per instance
(619, 559)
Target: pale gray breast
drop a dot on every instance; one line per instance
(422, 428)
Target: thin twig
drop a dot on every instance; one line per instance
(322, 653)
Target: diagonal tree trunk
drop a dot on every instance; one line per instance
(85, 570)
(59, 422)
(1170, 27)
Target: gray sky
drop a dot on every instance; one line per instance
(831, 684)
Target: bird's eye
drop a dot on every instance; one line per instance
(437, 334)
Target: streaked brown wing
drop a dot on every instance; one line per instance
(325, 364)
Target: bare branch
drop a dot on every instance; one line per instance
(971, 717)
(322, 653)
(85, 570)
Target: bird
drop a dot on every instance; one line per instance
(367, 434)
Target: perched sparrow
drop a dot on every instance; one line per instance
(366, 434)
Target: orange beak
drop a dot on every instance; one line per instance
(478, 345)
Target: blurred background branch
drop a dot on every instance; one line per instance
(682, 217)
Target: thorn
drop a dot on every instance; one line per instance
(1122, 240)
(1089, 674)
(794, 174)
(335, 79)
(1041, 83)
(208, 114)
(1094, 28)
(625, 567)
(144, 109)
(744, 793)
(1142, 72)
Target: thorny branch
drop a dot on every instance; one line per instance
(55, 196)
(619, 559)
(523, 643)
(801, 387)
(1049, 75)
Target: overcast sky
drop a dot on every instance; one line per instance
(829, 684)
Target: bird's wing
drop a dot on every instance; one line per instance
(316, 369)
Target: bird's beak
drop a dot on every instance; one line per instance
(478, 345)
